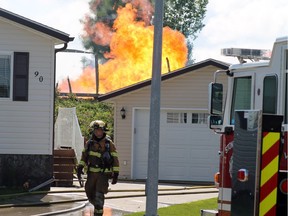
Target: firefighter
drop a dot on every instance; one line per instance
(100, 157)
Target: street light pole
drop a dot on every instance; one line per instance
(153, 151)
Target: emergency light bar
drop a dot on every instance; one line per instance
(252, 54)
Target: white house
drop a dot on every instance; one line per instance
(188, 148)
(27, 84)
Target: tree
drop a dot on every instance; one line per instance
(102, 13)
(185, 16)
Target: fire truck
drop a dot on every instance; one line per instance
(250, 113)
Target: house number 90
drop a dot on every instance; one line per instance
(36, 73)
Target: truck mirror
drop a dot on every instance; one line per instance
(215, 98)
(215, 122)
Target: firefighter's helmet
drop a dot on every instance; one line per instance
(98, 124)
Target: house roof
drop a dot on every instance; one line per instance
(35, 25)
(188, 69)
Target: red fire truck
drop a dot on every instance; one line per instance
(250, 113)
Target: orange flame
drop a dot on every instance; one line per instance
(131, 55)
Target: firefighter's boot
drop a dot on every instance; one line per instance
(99, 204)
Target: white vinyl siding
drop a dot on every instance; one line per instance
(27, 127)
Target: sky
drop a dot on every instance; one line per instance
(228, 23)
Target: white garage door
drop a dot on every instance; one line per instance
(188, 148)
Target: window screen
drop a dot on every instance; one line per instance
(5, 76)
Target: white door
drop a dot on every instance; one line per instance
(188, 149)
(140, 144)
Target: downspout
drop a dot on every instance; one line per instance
(54, 120)
(61, 49)
(53, 110)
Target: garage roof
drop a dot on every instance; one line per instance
(35, 25)
(188, 69)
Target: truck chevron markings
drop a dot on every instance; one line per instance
(269, 173)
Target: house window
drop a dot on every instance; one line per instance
(199, 118)
(5, 75)
(17, 67)
(177, 117)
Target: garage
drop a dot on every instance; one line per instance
(188, 148)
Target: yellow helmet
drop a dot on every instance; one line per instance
(98, 124)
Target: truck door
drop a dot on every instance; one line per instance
(264, 97)
(255, 91)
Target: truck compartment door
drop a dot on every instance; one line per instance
(255, 170)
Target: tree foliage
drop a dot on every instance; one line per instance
(185, 16)
(101, 11)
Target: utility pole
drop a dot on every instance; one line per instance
(96, 74)
(153, 151)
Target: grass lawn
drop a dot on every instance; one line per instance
(186, 209)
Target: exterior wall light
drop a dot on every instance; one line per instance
(123, 113)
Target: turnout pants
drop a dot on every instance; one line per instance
(96, 186)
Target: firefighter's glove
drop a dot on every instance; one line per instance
(80, 171)
(114, 178)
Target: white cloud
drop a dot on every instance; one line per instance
(246, 23)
